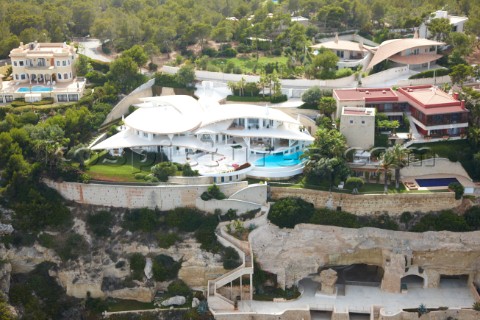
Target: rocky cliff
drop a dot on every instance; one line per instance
(293, 254)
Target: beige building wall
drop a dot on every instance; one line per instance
(358, 128)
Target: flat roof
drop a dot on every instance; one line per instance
(342, 45)
(352, 111)
(367, 94)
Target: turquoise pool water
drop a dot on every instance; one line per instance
(34, 89)
(279, 160)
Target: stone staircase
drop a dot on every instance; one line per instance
(216, 301)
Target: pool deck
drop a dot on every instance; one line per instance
(12, 87)
(412, 181)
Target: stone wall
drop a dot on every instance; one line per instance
(165, 197)
(369, 204)
(190, 180)
(256, 193)
(225, 205)
(287, 315)
(460, 314)
(121, 108)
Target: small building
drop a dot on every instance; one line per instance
(358, 127)
(457, 23)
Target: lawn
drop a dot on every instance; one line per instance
(247, 65)
(120, 169)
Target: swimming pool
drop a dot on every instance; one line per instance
(437, 182)
(34, 89)
(279, 160)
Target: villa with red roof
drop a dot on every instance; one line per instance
(434, 112)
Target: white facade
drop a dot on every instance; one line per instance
(457, 23)
(220, 139)
(39, 63)
(358, 127)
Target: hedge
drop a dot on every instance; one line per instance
(430, 74)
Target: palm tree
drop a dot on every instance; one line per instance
(400, 160)
(387, 161)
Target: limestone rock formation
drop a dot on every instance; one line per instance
(293, 254)
(5, 229)
(177, 301)
(148, 268)
(328, 279)
(5, 270)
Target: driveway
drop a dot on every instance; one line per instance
(90, 48)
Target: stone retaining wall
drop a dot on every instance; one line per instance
(287, 315)
(165, 197)
(369, 204)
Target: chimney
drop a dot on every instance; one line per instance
(462, 103)
(455, 95)
(336, 37)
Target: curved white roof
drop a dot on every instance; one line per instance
(235, 111)
(166, 115)
(391, 47)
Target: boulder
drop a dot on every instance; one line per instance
(148, 268)
(177, 301)
(195, 302)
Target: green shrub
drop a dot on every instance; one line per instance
(288, 212)
(100, 223)
(457, 188)
(215, 192)
(137, 265)
(231, 259)
(163, 170)
(188, 172)
(472, 217)
(354, 183)
(140, 176)
(47, 240)
(185, 219)
(165, 268)
(312, 96)
(205, 234)
(342, 73)
(167, 80)
(334, 218)
(445, 220)
(166, 240)
(178, 288)
(72, 248)
(18, 103)
(430, 73)
(278, 98)
(140, 220)
(100, 66)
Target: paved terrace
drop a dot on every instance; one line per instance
(359, 299)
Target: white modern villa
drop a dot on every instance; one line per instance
(43, 70)
(227, 142)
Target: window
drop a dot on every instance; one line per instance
(70, 75)
(1, 99)
(351, 121)
(16, 76)
(73, 97)
(363, 121)
(64, 63)
(59, 76)
(21, 63)
(58, 63)
(8, 98)
(65, 76)
(62, 97)
(22, 76)
(14, 63)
